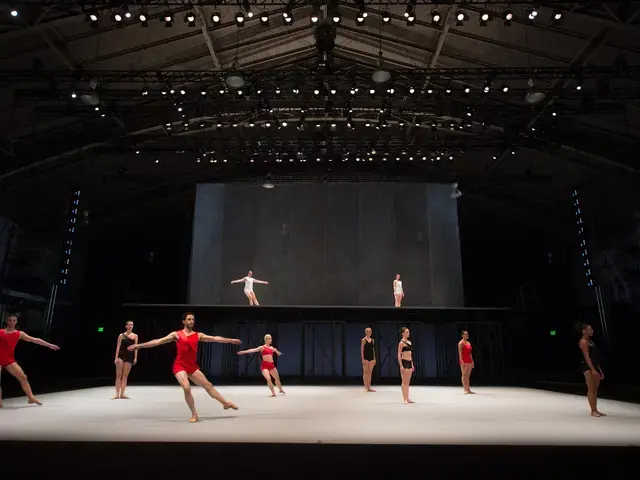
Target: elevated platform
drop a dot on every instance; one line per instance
(315, 428)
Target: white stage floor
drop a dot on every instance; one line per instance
(314, 414)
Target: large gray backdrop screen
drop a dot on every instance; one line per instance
(327, 244)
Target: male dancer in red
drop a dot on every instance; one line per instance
(185, 367)
(9, 338)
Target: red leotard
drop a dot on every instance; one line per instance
(267, 365)
(187, 353)
(466, 353)
(8, 342)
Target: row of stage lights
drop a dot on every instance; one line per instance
(68, 236)
(584, 249)
(335, 17)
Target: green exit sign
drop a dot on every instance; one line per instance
(552, 333)
(100, 329)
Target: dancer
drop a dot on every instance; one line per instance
(466, 361)
(405, 359)
(185, 367)
(124, 359)
(9, 338)
(248, 287)
(267, 367)
(591, 369)
(368, 355)
(398, 293)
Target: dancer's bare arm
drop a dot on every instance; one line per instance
(172, 337)
(215, 339)
(252, 350)
(240, 280)
(260, 281)
(38, 341)
(118, 344)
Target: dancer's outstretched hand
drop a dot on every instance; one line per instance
(235, 341)
(54, 347)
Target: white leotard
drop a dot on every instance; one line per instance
(248, 284)
(399, 287)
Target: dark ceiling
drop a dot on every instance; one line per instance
(518, 112)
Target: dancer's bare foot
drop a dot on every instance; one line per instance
(194, 418)
(115, 398)
(124, 397)
(410, 401)
(0, 403)
(272, 395)
(602, 414)
(370, 390)
(469, 392)
(596, 414)
(33, 400)
(406, 402)
(230, 405)
(282, 392)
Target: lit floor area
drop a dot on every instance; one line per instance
(330, 415)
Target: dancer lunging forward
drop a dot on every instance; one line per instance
(398, 292)
(248, 287)
(124, 359)
(267, 367)
(591, 369)
(368, 355)
(9, 338)
(185, 367)
(405, 359)
(466, 361)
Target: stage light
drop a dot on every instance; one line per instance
(314, 19)
(215, 17)
(361, 16)
(14, 13)
(386, 17)
(117, 17)
(143, 19)
(264, 19)
(556, 16)
(336, 18)
(190, 19)
(240, 19)
(93, 17)
(168, 20)
(435, 17)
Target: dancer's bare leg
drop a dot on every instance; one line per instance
(370, 366)
(183, 380)
(365, 368)
(267, 377)
(276, 376)
(198, 378)
(15, 370)
(126, 369)
(596, 379)
(255, 299)
(0, 387)
(404, 387)
(119, 368)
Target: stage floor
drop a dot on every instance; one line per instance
(329, 415)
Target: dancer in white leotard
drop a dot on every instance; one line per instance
(248, 287)
(398, 293)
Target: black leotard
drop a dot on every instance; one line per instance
(594, 356)
(406, 347)
(124, 354)
(368, 352)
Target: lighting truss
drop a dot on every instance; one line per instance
(212, 77)
(108, 4)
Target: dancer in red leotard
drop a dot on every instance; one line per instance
(9, 338)
(185, 366)
(267, 367)
(466, 361)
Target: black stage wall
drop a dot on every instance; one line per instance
(326, 244)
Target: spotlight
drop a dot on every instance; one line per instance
(386, 17)
(314, 18)
(14, 13)
(190, 19)
(93, 17)
(288, 20)
(361, 16)
(556, 16)
(460, 18)
(533, 13)
(264, 19)
(215, 17)
(336, 18)
(143, 19)
(240, 19)
(484, 18)
(117, 17)
(168, 20)
(435, 17)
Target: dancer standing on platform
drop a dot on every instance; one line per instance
(124, 359)
(9, 338)
(398, 292)
(185, 367)
(591, 369)
(405, 359)
(466, 361)
(368, 355)
(268, 367)
(248, 287)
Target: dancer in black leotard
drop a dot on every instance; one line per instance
(591, 369)
(125, 359)
(368, 355)
(405, 359)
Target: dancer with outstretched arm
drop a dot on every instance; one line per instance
(267, 367)
(125, 359)
(185, 367)
(9, 338)
(248, 287)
